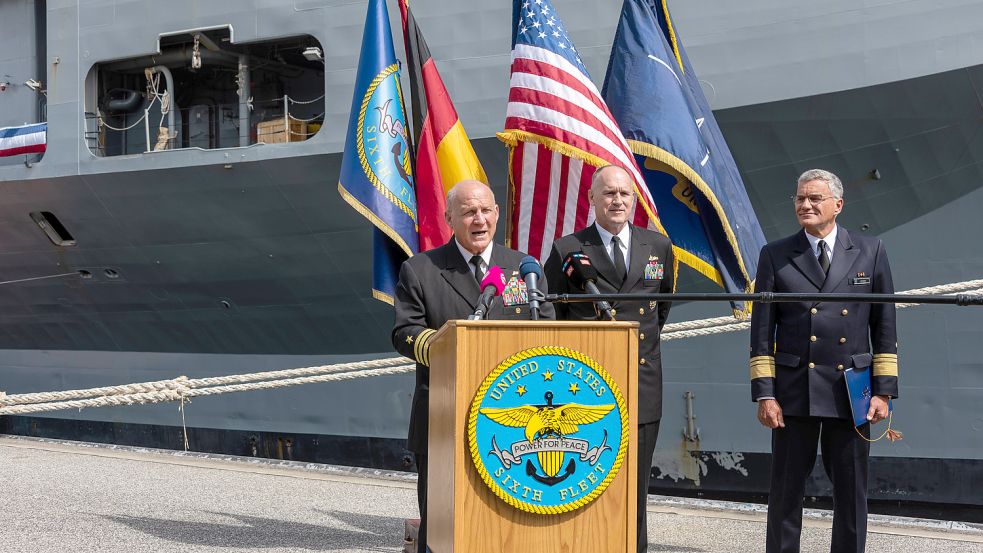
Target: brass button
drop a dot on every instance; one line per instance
(812, 338)
(518, 310)
(814, 311)
(641, 310)
(839, 367)
(812, 365)
(641, 361)
(844, 312)
(614, 312)
(641, 336)
(842, 340)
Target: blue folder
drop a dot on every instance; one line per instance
(858, 389)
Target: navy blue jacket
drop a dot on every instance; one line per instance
(800, 350)
(434, 287)
(646, 247)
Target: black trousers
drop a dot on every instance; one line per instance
(421, 498)
(844, 454)
(647, 436)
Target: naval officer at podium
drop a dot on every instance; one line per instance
(440, 285)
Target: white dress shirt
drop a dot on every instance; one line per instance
(485, 256)
(624, 236)
(830, 240)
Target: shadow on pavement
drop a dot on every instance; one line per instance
(356, 531)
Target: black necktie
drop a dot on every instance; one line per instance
(478, 275)
(823, 257)
(619, 259)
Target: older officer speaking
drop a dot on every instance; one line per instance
(799, 352)
(442, 284)
(628, 259)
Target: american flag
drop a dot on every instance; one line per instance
(559, 130)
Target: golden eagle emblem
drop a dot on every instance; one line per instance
(561, 420)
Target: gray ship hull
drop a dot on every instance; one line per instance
(237, 260)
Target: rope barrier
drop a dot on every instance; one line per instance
(182, 388)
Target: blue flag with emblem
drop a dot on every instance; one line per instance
(376, 177)
(656, 99)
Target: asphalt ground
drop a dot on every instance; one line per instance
(77, 497)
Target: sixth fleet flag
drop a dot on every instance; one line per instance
(376, 170)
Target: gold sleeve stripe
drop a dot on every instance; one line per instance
(886, 364)
(762, 366)
(419, 344)
(426, 347)
(416, 346)
(422, 348)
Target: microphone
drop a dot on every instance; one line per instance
(531, 272)
(492, 285)
(583, 275)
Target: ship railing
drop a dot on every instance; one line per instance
(206, 125)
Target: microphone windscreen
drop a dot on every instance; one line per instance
(494, 277)
(528, 266)
(579, 269)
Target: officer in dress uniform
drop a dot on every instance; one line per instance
(628, 259)
(799, 352)
(441, 285)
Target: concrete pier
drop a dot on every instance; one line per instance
(71, 496)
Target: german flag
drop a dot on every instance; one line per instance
(444, 155)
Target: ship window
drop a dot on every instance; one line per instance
(204, 91)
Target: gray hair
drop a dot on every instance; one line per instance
(835, 186)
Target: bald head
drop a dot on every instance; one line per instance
(612, 193)
(472, 214)
(606, 172)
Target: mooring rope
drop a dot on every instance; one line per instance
(182, 388)
(719, 325)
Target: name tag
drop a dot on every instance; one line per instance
(860, 281)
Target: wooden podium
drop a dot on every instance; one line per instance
(464, 515)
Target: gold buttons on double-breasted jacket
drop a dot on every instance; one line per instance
(843, 340)
(839, 367)
(845, 312)
(641, 361)
(814, 311)
(812, 365)
(812, 338)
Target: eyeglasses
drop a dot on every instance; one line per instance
(813, 199)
